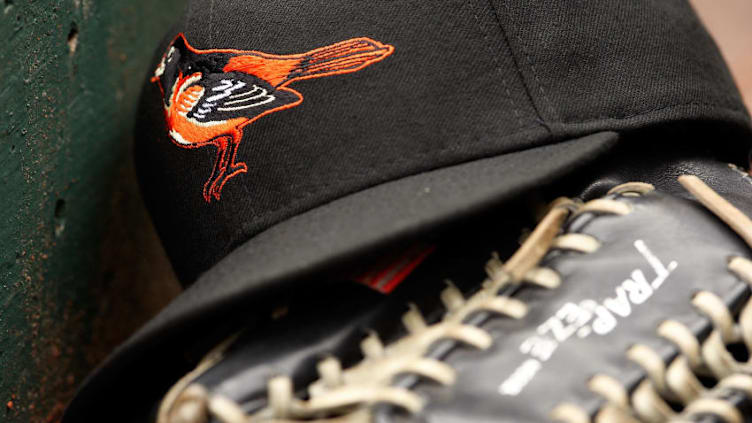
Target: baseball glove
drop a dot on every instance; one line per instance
(632, 305)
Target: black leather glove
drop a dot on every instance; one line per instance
(630, 304)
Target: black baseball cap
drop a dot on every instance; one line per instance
(278, 138)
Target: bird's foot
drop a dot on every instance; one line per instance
(213, 187)
(209, 191)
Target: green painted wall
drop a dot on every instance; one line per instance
(80, 267)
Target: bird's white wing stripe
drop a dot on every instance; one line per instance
(226, 89)
(224, 85)
(263, 97)
(262, 93)
(268, 99)
(243, 94)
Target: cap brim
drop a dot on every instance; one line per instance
(286, 253)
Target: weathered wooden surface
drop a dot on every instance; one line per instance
(80, 267)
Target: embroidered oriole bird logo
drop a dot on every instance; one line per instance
(210, 95)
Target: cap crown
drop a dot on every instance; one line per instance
(410, 86)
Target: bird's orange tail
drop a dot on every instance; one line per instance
(343, 57)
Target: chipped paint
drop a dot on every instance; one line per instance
(71, 75)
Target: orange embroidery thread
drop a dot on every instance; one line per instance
(210, 95)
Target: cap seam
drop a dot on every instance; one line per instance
(497, 65)
(538, 82)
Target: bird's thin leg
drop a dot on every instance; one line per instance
(231, 168)
(218, 170)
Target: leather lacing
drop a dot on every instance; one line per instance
(674, 392)
(347, 394)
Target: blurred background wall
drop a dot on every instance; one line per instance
(80, 266)
(730, 23)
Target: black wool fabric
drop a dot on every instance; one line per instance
(467, 80)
